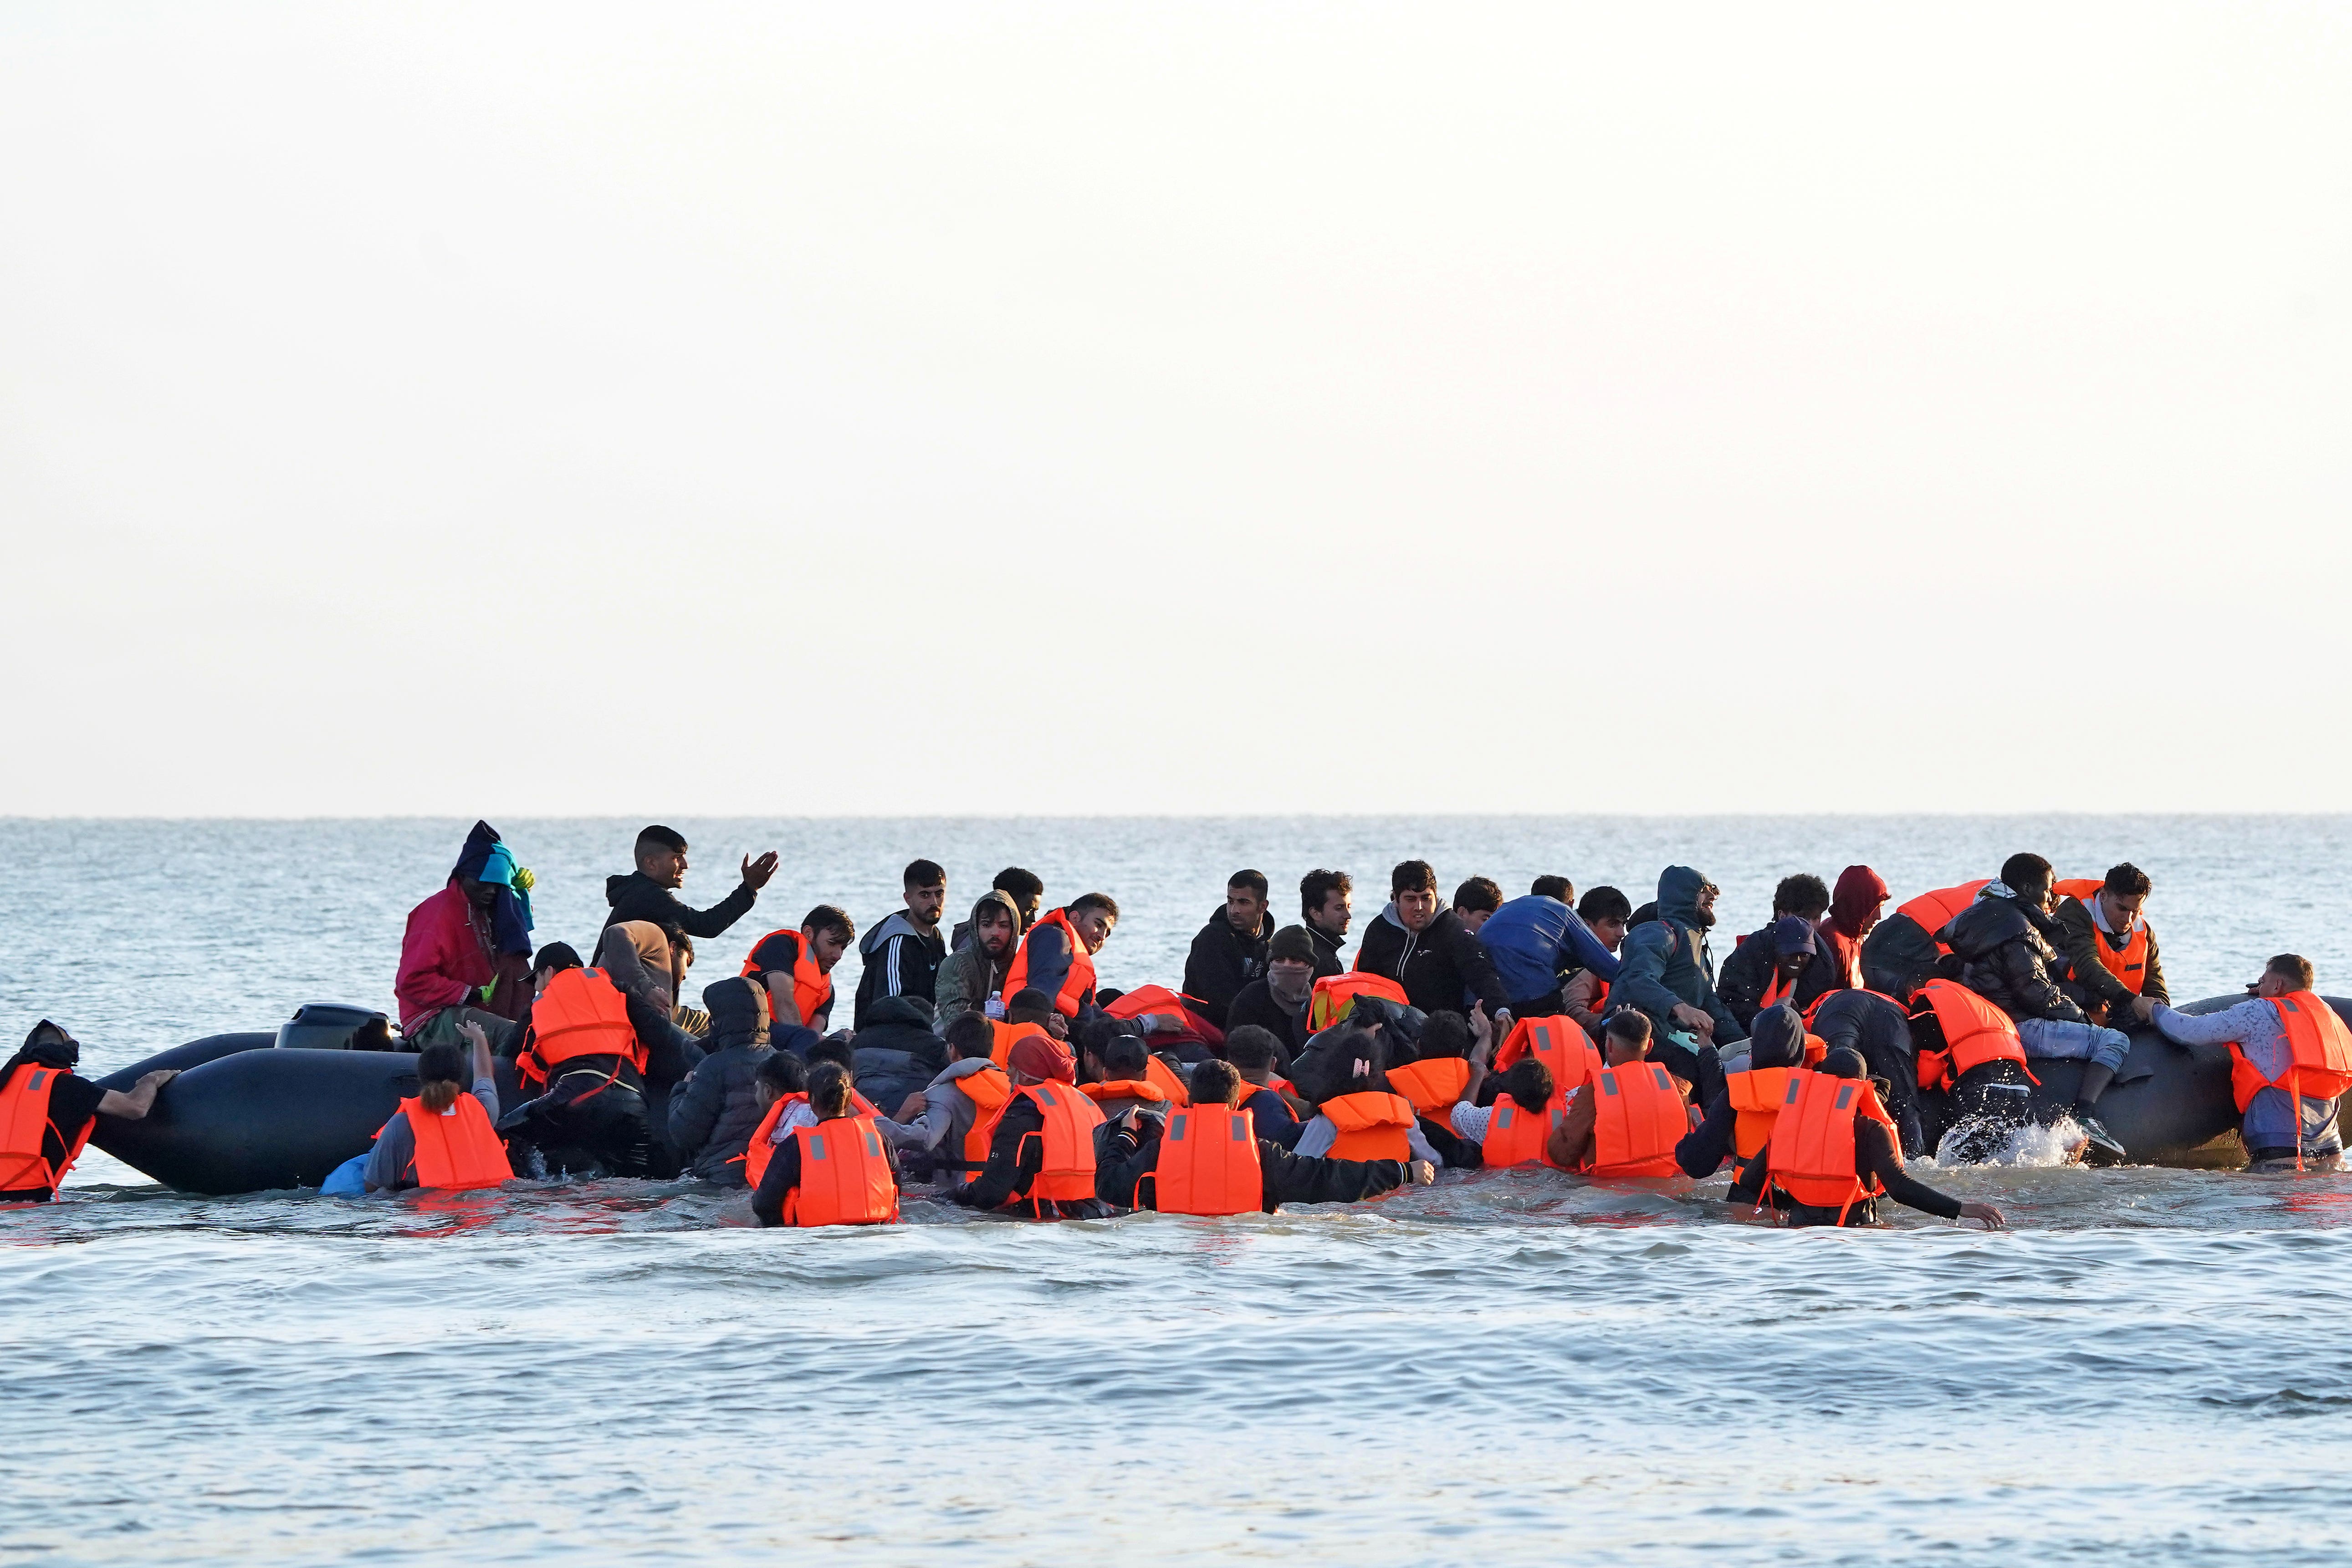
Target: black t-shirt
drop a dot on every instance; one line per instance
(73, 1105)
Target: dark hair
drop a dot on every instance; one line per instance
(2021, 869)
(1028, 999)
(832, 917)
(1123, 1058)
(1318, 885)
(556, 956)
(1102, 901)
(828, 1090)
(2128, 881)
(1803, 894)
(1412, 877)
(1558, 887)
(1022, 885)
(1254, 880)
(922, 874)
(783, 1072)
(2294, 966)
(1629, 1025)
(1213, 1082)
(656, 836)
(1604, 904)
(1478, 893)
(825, 1049)
(1093, 1033)
(970, 1035)
(680, 942)
(440, 1076)
(1845, 1062)
(1253, 1045)
(1447, 1034)
(1529, 1082)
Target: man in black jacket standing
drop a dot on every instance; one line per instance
(1424, 947)
(644, 894)
(1229, 951)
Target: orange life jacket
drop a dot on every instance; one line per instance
(23, 1126)
(1163, 1076)
(811, 986)
(1334, 994)
(1933, 911)
(1755, 1096)
(1638, 1118)
(845, 1175)
(2319, 1064)
(2078, 888)
(763, 1146)
(1208, 1163)
(581, 1013)
(1067, 1171)
(1812, 1142)
(1008, 1033)
(1124, 1088)
(1975, 1032)
(1561, 1044)
(1433, 1085)
(2128, 964)
(1370, 1125)
(1146, 1001)
(989, 1092)
(457, 1149)
(1516, 1135)
(1075, 983)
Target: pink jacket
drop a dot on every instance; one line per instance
(442, 958)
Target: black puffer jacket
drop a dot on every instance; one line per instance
(896, 1054)
(2008, 954)
(1437, 965)
(1223, 961)
(1743, 977)
(714, 1113)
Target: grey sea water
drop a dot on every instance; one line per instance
(1506, 1367)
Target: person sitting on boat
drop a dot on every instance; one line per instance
(1854, 907)
(1427, 948)
(444, 1137)
(1278, 1000)
(860, 1174)
(1365, 1118)
(1255, 1054)
(712, 1114)
(1057, 955)
(1650, 1110)
(971, 977)
(1476, 902)
(903, 952)
(1735, 1123)
(2006, 948)
(465, 956)
(2291, 1060)
(1668, 972)
(1041, 1158)
(1833, 1155)
(584, 1057)
(2112, 969)
(796, 966)
(1584, 993)
(1535, 943)
(1786, 959)
(937, 1128)
(47, 1111)
(1326, 906)
(1229, 951)
(1208, 1159)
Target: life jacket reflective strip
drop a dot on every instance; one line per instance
(844, 1177)
(2128, 964)
(24, 1127)
(1933, 911)
(1124, 1088)
(1562, 1045)
(1975, 1032)
(1755, 1096)
(1147, 1001)
(1638, 1118)
(457, 1150)
(1334, 994)
(1008, 1033)
(1066, 1173)
(1163, 1076)
(2319, 1058)
(581, 1013)
(1075, 983)
(811, 986)
(1435, 1086)
(1370, 1125)
(1208, 1163)
(1812, 1142)
(763, 1146)
(1517, 1136)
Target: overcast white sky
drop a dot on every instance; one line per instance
(675, 410)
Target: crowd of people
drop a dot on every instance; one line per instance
(983, 1065)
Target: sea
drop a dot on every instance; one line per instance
(2153, 1366)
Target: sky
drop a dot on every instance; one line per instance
(1027, 409)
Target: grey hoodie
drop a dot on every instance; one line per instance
(946, 1118)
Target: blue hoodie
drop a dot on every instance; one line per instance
(1533, 940)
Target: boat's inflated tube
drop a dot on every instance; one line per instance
(257, 1120)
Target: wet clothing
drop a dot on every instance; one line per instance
(1535, 942)
(2083, 927)
(391, 1164)
(712, 1116)
(1224, 961)
(1327, 961)
(1873, 1156)
(1258, 1005)
(2268, 1125)
(1442, 966)
(783, 1173)
(1128, 1157)
(1877, 1027)
(1749, 974)
(939, 1128)
(1569, 1147)
(1318, 1135)
(637, 897)
(73, 1107)
(1016, 1155)
(896, 1054)
(2007, 956)
(901, 960)
(967, 981)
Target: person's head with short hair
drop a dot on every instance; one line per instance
(1626, 1036)
(1606, 911)
(1444, 1034)
(2028, 876)
(1412, 887)
(1558, 887)
(2284, 975)
(1214, 1083)
(1253, 1050)
(551, 960)
(828, 1090)
(1028, 1005)
(1326, 901)
(830, 1049)
(1476, 899)
(1843, 1062)
(828, 931)
(2123, 895)
(660, 854)
(924, 887)
(442, 1074)
(1290, 965)
(1803, 895)
(1026, 890)
(1245, 901)
(1092, 915)
(1529, 1082)
(1124, 1060)
(780, 1073)
(970, 1035)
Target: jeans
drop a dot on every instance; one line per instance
(2049, 1039)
